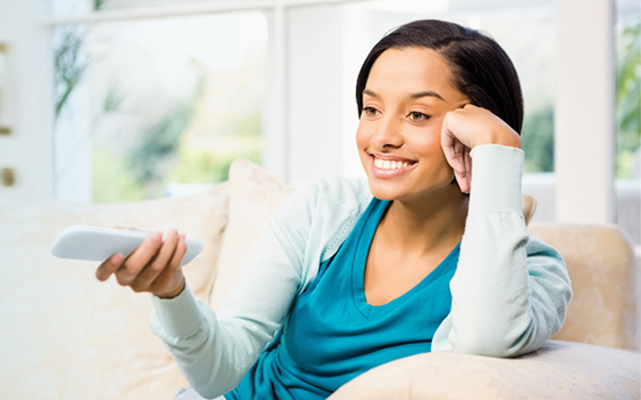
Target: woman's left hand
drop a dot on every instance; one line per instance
(468, 127)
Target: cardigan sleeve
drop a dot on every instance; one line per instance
(215, 351)
(511, 291)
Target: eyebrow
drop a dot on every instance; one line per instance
(416, 95)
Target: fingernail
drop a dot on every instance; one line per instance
(173, 233)
(116, 259)
(182, 237)
(157, 236)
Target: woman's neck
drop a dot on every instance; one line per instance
(422, 226)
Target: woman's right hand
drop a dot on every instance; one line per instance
(152, 267)
(467, 127)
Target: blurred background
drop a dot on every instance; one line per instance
(123, 100)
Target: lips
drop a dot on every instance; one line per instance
(385, 166)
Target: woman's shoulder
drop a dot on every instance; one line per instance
(317, 217)
(351, 192)
(328, 197)
(330, 193)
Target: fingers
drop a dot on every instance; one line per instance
(138, 259)
(157, 264)
(451, 149)
(154, 266)
(456, 149)
(468, 170)
(458, 156)
(165, 278)
(109, 266)
(459, 152)
(464, 178)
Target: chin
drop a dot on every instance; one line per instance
(386, 192)
(389, 191)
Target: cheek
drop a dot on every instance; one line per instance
(428, 147)
(362, 138)
(426, 144)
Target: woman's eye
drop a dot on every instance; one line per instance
(370, 111)
(417, 116)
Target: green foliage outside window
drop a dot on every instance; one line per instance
(538, 128)
(537, 140)
(628, 96)
(161, 154)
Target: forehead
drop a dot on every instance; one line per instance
(412, 69)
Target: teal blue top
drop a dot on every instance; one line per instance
(333, 334)
(510, 291)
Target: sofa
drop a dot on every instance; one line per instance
(64, 335)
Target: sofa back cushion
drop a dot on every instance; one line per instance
(254, 195)
(602, 268)
(64, 334)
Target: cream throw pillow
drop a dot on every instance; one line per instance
(63, 334)
(559, 370)
(254, 196)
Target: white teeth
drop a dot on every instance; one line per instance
(389, 165)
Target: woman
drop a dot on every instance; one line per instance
(431, 253)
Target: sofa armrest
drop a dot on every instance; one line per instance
(559, 370)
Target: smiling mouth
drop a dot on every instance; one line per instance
(389, 165)
(388, 168)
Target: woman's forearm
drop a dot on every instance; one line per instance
(510, 291)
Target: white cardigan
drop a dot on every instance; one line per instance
(510, 291)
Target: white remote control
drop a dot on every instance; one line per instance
(80, 242)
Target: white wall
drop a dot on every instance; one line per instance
(326, 46)
(585, 102)
(72, 175)
(28, 150)
(314, 93)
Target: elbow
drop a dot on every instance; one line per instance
(214, 388)
(511, 341)
(493, 348)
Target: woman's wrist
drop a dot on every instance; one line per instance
(174, 293)
(505, 137)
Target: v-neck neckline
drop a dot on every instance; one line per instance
(363, 245)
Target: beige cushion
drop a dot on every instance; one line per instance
(560, 370)
(63, 334)
(602, 269)
(254, 197)
(529, 208)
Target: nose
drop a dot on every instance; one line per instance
(388, 134)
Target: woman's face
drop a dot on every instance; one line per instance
(407, 94)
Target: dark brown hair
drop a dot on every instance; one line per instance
(481, 69)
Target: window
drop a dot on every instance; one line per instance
(154, 107)
(628, 156)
